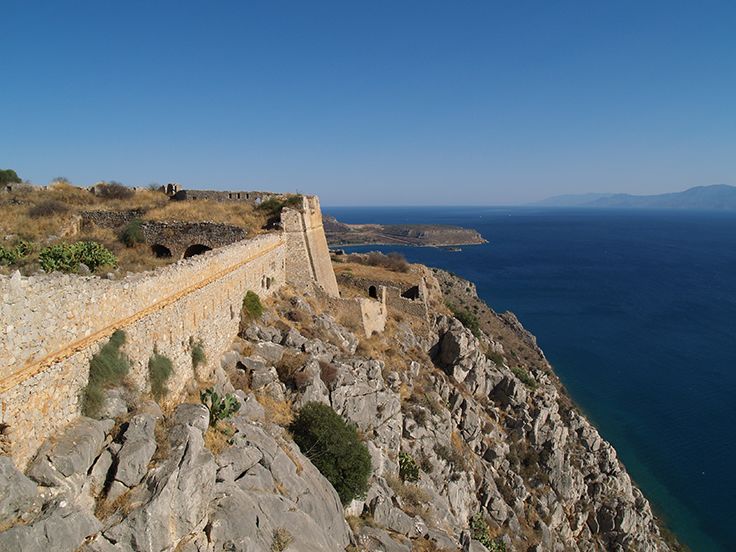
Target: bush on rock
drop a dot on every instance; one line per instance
(334, 448)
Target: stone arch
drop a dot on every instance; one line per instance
(196, 249)
(160, 251)
(373, 292)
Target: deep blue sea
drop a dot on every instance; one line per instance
(636, 311)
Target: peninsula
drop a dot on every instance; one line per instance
(421, 235)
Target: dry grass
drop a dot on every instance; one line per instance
(217, 437)
(294, 459)
(425, 545)
(236, 213)
(413, 498)
(44, 216)
(357, 270)
(278, 412)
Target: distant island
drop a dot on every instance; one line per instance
(718, 196)
(423, 235)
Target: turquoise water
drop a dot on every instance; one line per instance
(637, 313)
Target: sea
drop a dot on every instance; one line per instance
(636, 311)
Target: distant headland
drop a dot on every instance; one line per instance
(422, 235)
(715, 197)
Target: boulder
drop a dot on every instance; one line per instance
(139, 445)
(62, 528)
(72, 453)
(17, 492)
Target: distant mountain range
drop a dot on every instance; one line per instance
(718, 196)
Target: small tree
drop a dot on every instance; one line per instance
(9, 176)
(334, 448)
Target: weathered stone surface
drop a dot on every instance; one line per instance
(178, 494)
(17, 492)
(61, 528)
(71, 454)
(139, 444)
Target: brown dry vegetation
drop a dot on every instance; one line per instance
(239, 214)
(372, 272)
(46, 216)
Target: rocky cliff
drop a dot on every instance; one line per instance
(502, 459)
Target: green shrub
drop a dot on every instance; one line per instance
(479, 531)
(9, 176)
(198, 355)
(466, 318)
(160, 370)
(524, 376)
(107, 368)
(11, 255)
(252, 307)
(273, 206)
(495, 357)
(334, 448)
(67, 257)
(221, 408)
(408, 469)
(132, 234)
(48, 208)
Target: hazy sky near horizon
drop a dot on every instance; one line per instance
(381, 102)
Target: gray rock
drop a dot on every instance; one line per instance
(71, 454)
(17, 492)
(114, 404)
(293, 339)
(250, 408)
(373, 539)
(270, 352)
(179, 491)
(139, 445)
(192, 415)
(62, 528)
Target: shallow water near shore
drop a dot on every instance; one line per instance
(636, 311)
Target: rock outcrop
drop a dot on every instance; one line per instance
(503, 459)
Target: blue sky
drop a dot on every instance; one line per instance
(381, 102)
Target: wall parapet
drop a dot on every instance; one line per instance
(44, 315)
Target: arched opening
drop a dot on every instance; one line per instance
(373, 292)
(196, 249)
(160, 251)
(268, 282)
(411, 293)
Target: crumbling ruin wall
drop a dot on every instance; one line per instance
(53, 324)
(358, 313)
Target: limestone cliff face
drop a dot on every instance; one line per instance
(498, 449)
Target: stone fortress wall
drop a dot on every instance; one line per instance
(52, 324)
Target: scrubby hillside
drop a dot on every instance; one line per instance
(472, 446)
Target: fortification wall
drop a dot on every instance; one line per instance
(53, 324)
(358, 313)
(395, 301)
(181, 239)
(308, 257)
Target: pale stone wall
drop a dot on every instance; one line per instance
(366, 315)
(53, 324)
(308, 257)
